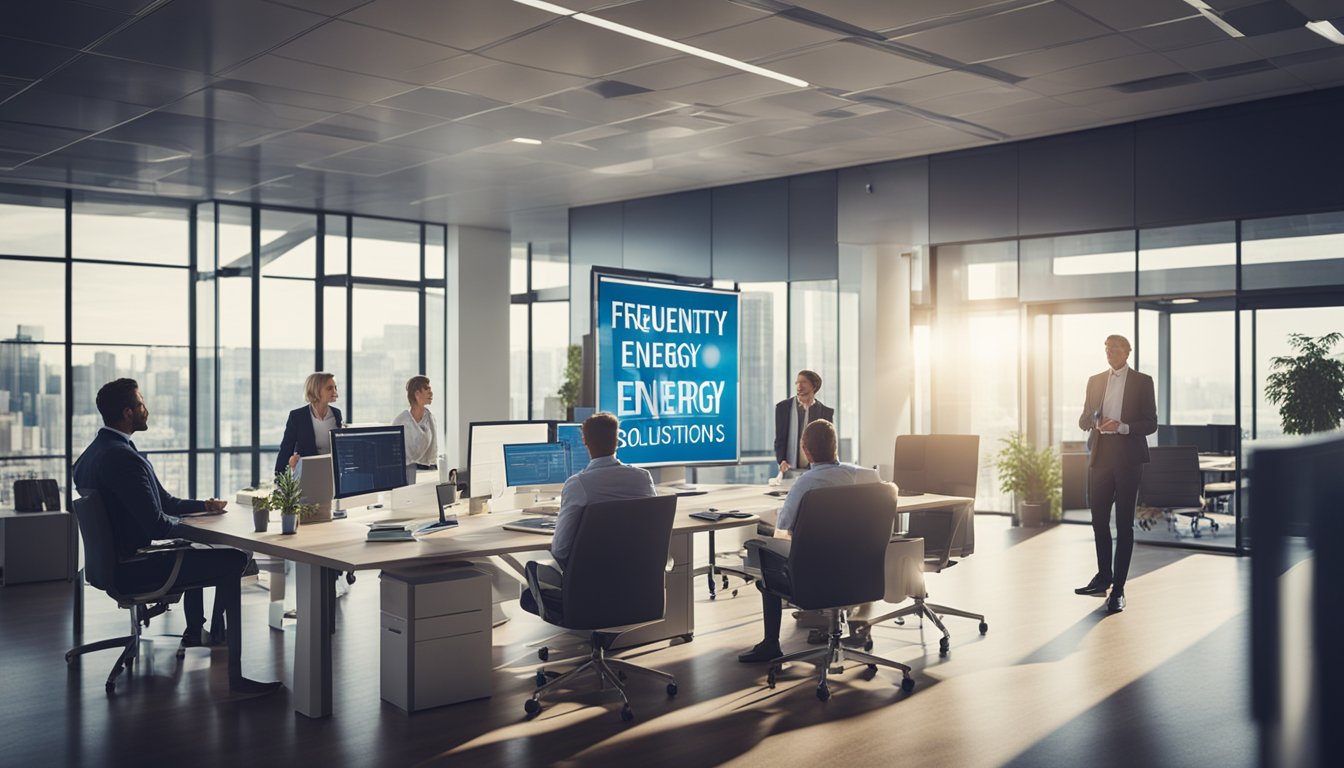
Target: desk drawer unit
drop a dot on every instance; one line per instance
(435, 636)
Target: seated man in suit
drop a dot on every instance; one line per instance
(604, 479)
(825, 470)
(139, 510)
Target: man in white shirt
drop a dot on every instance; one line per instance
(1119, 412)
(824, 470)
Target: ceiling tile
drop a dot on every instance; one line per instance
(183, 133)
(932, 87)
(850, 67)
(673, 73)
(1066, 56)
(449, 139)
(207, 35)
(302, 76)
(441, 102)
(373, 124)
(768, 37)
(529, 123)
(464, 24)
(1178, 34)
(725, 90)
(1111, 71)
(510, 82)
(680, 19)
(373, 160)
(963, 104)
(1216, 54)
(1133, 14)
(584, 104)
(355, 48)
(35, 139)
(39, 106)
(1029, 29)
(28, 60)
(324, 7)
(884, 15)
(1286, 42)
(58, 22)
(576, 48)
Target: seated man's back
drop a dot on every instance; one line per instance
(604, 479)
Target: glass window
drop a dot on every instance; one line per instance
(29, 469)
(386, 324)
(978, 272)
(436, 251)
(549, 269)
(32, 399)
(765, 378)
(518, 269)
(1191, 259)
(518, 332)
(1293, 251)
(116, 304)
(1078, 266)
(1077, 353)
(1202, 381)
(336, 246)
(32, 300)
(205, 337)
(389, 249)
(550, 350)
(205, 478)
(288, 244)
(435, 330)
(163, 375)
(333, 334)
(32, 223)
(235, 472)
(114, 230)
(1273, 327)
(287, 356)
(814, 318)
(235, 360)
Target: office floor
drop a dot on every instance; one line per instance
(1054, 683)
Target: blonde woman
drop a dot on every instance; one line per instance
(308, 430)
(422, 445)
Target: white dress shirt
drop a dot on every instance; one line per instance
(1115, 397)
(604, 479)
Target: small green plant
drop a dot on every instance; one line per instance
(569, 390)
(1035, 477)
(287, 498)
(1308, 387)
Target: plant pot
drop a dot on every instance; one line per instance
(260, 519)
(289, 524)
(1033, 515)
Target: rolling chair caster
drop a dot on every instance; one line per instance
(908, 684)
(544, 653)
(531, 707)
(627, 714)
(823, 693)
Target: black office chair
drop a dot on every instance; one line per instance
(100, 568)
(1171, 481)
(837, 559)
(616, 581)
(941, 530)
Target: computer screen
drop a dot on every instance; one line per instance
(528, 465)
(368, 460)
(1208, 438)
(485, 451)
(667, 367)
(571, 436)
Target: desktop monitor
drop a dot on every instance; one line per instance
(485, 451)
(581, 413)
(571, 436)
(368, 460)
(315, 483)
(532, 465)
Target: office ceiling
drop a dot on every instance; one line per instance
(408, 108)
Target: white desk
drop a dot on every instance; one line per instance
(319, 550)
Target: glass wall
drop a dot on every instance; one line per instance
(539, 331)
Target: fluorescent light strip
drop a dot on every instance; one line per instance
(1327, 30)
(663, 41)
(1208, 13)
(525, 140)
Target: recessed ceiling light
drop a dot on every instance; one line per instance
(1207, 12)
(1185, 301)
(1327, 30)
(647, 37)
(524, 140)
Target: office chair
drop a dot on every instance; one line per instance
(837, 559)
(1171, 481)
(941, 530)
(100, 567)
(616, 581)
(944, 464)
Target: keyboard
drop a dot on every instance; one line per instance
(546, 509)
(542, 525)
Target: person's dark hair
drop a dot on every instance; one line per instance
(115, 397)
(813, 377)
(599, 434)
(413, 387)
(819, 440)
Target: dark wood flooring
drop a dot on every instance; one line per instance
(1054, 683)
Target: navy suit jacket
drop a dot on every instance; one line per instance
(786, 409)
(138, 508)
(299, 437)
(1138, 409)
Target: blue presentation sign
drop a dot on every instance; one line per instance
(667, 367)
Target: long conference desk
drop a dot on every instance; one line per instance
(321, 550)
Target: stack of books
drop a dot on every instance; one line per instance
(390, 530)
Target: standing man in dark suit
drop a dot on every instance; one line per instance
(139, 510)
(793, 415)
(1119, 412)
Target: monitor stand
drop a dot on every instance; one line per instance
(444, 522)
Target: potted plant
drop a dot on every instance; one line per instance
(569, 390)
(1308, 387)
(287, 500)
(1034, 477)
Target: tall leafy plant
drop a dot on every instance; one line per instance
(569, 390)
(1035, 477)
(1308, 387)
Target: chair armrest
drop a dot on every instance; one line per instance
(774, 568)
(171, 581)
(536, 574)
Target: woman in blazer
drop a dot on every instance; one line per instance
(308, 430)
